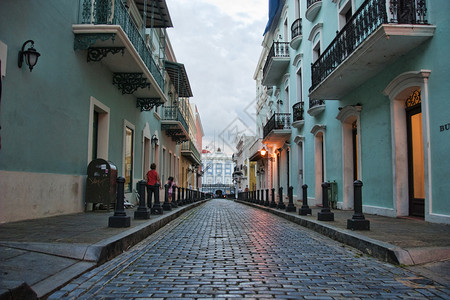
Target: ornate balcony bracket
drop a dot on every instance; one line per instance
(175, 133)
(98, 53)
(86, 40)
(147, 104)
(128, 83)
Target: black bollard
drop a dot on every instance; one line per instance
(120, 218)
(358, 221)
(183, 196)
(180, 200)
(156, 208)
(261, 197)
(281, 204)
(291, 207)
(142, 212)
(267, 202)
(305, 210)
(174, 197)
(166, 204)
(273, 204)
(325, 214)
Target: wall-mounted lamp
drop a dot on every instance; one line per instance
(30, 55)
(154, 139)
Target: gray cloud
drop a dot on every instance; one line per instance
(220, 52)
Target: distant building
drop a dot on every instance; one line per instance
(218, 170)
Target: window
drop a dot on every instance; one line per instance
(315, 37)
(299, 86)
(129, 141)
(218, 169)
(345, 13)
(98, 138)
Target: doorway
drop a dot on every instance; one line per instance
(416, 170)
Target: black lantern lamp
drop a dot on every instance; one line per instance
(154, 139)
(30, 55)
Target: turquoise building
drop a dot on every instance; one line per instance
(106, 85)
(356, 90)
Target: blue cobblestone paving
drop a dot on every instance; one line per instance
(226, 250)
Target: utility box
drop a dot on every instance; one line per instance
(101, 185)
(333, 194)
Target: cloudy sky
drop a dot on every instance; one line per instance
(219, 42)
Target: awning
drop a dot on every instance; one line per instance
(157, 13)
(178, 76)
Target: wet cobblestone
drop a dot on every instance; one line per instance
(226, 250)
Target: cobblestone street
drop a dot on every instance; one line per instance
(224, 249)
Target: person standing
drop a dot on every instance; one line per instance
(153, 184)
(171, 184)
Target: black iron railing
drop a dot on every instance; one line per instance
(173, 113)
(311, 2)
(277, 121)
(313, 103)
(366, 20)
(112, 12)
(297, 111)
(189, 146)
(278, 49)
(296, 28)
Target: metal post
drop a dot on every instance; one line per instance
(273, 204)
(174, 197)
(281, 204)
(267, 202)
(180, 201)
(305, 210)
(325, 214)
(291, 207)
(358, 221)
(120, 218)
(142, 212)
(166, 205)
(156, 208)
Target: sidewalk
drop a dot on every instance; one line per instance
(38, 256)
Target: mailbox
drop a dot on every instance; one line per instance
(101, 185)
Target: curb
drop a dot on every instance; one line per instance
(381, 250)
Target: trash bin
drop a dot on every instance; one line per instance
(101, 185)
(333, 194)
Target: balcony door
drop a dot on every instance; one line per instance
(416, 170)
(406, 11)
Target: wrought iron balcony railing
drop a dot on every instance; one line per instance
(366, 20)
(173, 113)
(297, 111)
(313, 103)
(311, 2)
(277, 121)
(278, 49)
(114, 12)
(189, 146)
(296, 28)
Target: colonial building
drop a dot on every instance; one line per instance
(218, 170)
(106, 85)
(355, 90)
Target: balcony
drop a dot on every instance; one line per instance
(254, 150)
(297, 115)
(312, 9)
(107, 31)
(372, 40)
(276, 63)
(277, 130)
(296, 34)
(189, 151)
(174, 124)
(316, 107)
